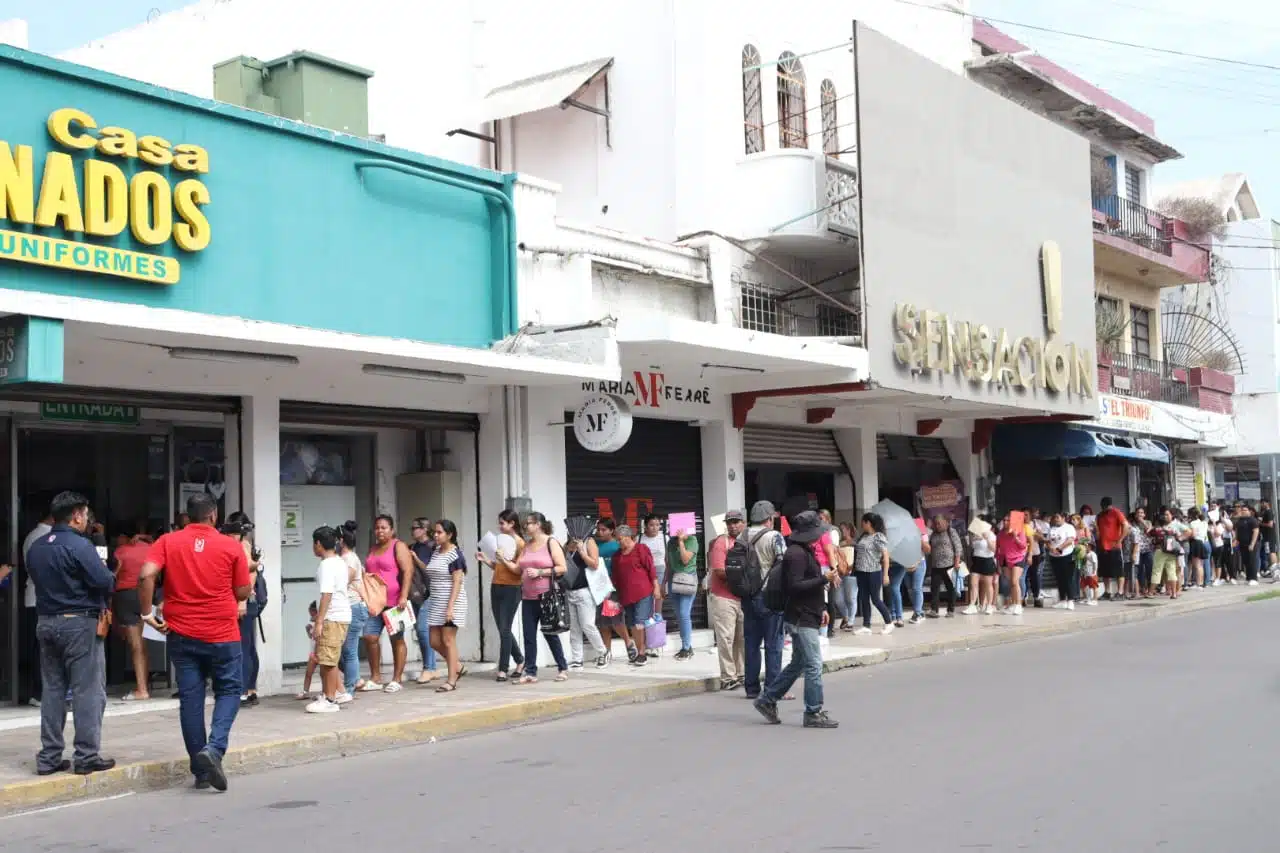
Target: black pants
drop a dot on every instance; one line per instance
(1249, 556)
(249, 648)
(1064, 570)
(1033, 575)
(504, 599)
(869, 586)
(940, 576)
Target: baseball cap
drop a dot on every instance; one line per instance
(762, 511)
(734, 515)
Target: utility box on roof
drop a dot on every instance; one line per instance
(303, 86)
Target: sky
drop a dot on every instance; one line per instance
(1222, 117)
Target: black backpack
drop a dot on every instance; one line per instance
(775, 586)
(742, 571)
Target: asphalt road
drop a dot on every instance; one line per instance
(1160, 736)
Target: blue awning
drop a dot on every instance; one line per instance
(1061, 441)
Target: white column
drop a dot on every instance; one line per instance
(231, 463)
(722, 474)
(969, 466)
(859, 448)
(1069, 485)
(261, 437)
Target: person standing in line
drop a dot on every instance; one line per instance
(1110, 529)
(1198, 549)
(806, 585)
(1035, 579)
(983, 574)
(596, 552)
(827, 550)
(1170, 539)
(29, 614)
(1061, 544)
(504, 597)
(1139, 531)
(392, 561)
(240, 528)
(760, 625)
(446, 571)
(206, 576)
(1012, 545)
(73, 587)
(125, 613)
(871, 567)
(638, 591)
(945, 553)
(682, 585)
(846, 595)
(1249, 535)
(656, 541)
(725, 608)
(1267, 536)
(332, 619)
(422, 548)
(359, 612)
(541, 563)
(582, 609)
(1222, 546)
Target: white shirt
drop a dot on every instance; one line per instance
(657, 546)
(29, 594)
(983, 546)
(332, 577)
(1091, 565)
(1061, 539)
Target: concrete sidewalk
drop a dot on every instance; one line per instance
(148, 746)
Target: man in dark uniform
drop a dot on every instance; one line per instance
(73, 586)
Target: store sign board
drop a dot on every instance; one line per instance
(602, 423)
(652, 390)
(30, 349)
(82, 192)
(90, 413)
(1124, 412)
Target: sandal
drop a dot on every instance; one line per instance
(562, 676)
(462, 670)
(447, 687)
(426, 677)
(527, 679)
(502, 676)
(370, 687)
(303, 696)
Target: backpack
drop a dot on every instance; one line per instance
(260, 590)
(742, 571)
(775, 584)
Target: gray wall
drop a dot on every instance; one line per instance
(960, 189)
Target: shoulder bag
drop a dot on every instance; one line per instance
(375, 593)
(553, 605)
(420, 582)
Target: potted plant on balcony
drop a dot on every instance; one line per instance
(1201, 216)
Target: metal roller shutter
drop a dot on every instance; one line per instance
(792, 448)
(659, 471)
(1099, 480)
(298, 412)
(1184, 483)
(142, 399)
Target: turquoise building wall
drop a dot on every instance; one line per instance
(308, 227)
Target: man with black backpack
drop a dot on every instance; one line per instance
(724, 606)
(747, 564)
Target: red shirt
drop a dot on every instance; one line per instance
(201, 568)
(715, 560)
(129, 560)
(1110, 526)
(634, 575)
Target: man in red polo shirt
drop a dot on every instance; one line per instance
(206, 575)
(1112, 527)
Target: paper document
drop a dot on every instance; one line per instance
(718, 525)
(682, 522)
(506, 546)
(149, 633)
(489, 545)
(978, 527)
(599, 585)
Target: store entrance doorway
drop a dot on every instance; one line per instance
(126, 477)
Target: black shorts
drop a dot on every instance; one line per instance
(1110, 564)
(126, 608)
(985, 566)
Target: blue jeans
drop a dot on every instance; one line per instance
(897, 572)
(847, 596)
(684, 610)
(761, 625)
(917, 588)
(806, 660)
(351, 646)
(249, 648)
(193, 662)
(531, 619)
(424, 638)
(72, 660)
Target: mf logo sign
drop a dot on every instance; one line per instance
(602, 424)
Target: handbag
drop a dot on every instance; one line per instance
(684, 583)
(375, 593)
(553, 610)
(104, 622)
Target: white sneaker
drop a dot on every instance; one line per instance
(1253, 583)
(1232, 581)
(1093, 602)
(1061, 605)
(1218, 582)
(1071, 605)
(990, 611)
(861, 631)
(322, 706)
(1015, 610)
(888, 628)
(971, 610)
(343, 698)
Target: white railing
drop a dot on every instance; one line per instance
(842, 197)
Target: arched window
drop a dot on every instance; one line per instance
(752, 106)
(793, 125)
(830, 127)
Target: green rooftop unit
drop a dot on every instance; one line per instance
(304, 86)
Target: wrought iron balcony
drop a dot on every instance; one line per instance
(1130, 221)
(1145, 378)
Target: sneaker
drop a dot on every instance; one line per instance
(208, 765)
(916, 618)
(1015, 610)
(1061, 605)
(932, 614)
(819, 720)
(990, 611)
(1071, 605)
(1039, 603)
(640, 660)
(602, 660)
(768, 710)
(971, 610)
(631, 654)
(1232, 581)
(322, 706)
(1093, 602)
(898, 623)
(343, 698)
(949, 614)
(861, 631)
(684, 654)
(575, 664)
(888, 629)
(651, 654)
(1253, 583)
(1218, 582)
(1106, 596)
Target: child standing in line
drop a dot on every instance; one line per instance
(332, 619)
(305, 693)
(1089, 575)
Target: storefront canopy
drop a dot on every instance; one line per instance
(553, 89)
(1060, 441)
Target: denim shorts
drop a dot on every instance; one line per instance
(374, 626)
(638, 613)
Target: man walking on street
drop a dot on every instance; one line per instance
(73, 587)
(760, 625)
(806, 585)
(206, 576)
(725, 608)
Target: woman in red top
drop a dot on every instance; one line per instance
(636, 580)
(1011, 551)
(126, 610)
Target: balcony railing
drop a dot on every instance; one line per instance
(842, 197)
(1130, 221)
(797, 313)
(1144, 378)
